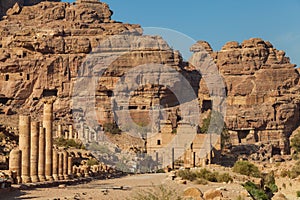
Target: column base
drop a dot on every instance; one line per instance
(34, 179)
(55, 177)
(42, 178)
(49, 178)
(26, 179)
(61, 177)
(66, 177)
(19, 180)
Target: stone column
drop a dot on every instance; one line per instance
(34, 150)
(70, 166)
(60, 166)
(41, 163)
(66, 135)
(70, 131)
(87, 135)
(55, 165)
(15, 157)
(65, 168)
(24, 144)
(47, 123)
(59, 130)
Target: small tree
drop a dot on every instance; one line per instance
(246, 168)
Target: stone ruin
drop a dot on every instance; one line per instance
(43, 47)
(36, 159)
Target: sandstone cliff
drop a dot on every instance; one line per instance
(262, 92)
(42, 49)
(7, 4)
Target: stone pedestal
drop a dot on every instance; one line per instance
(15, 157)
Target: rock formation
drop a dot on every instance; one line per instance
(262, 93)
(13, 4)
(43, 50)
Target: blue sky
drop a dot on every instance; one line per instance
(219, 21)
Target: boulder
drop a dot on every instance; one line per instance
(212, 194)
(193, 192)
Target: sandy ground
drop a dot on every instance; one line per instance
(104, 189)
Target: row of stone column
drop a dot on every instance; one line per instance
(35, 160)
(71, 134)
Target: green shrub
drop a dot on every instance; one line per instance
(204, 174)
(92, 162)
(160, 171)
(246, 168)
(174, 131)
(255, 192)
(111, 128)
(269, 181)
(212, 177)
(187, 175)
(298, 193)
(224, 178)
(62, 142)
(273, 187)
(157, 193)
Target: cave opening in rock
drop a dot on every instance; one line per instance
(242, 134)
(206, 105)
(49, 92)
(3, 100)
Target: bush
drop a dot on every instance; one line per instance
(246, 168)
(204, 174)
(298, 193)
(224, 178)
(255, 192)
(92, 162)
(62, 142)
(157, 193)
(269, 182)
(187, 175)
(111, 128)
(160, 171)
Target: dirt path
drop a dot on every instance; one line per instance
(111, 189)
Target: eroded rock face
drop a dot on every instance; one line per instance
(43, 48)
(262, 92)
(6, 5)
